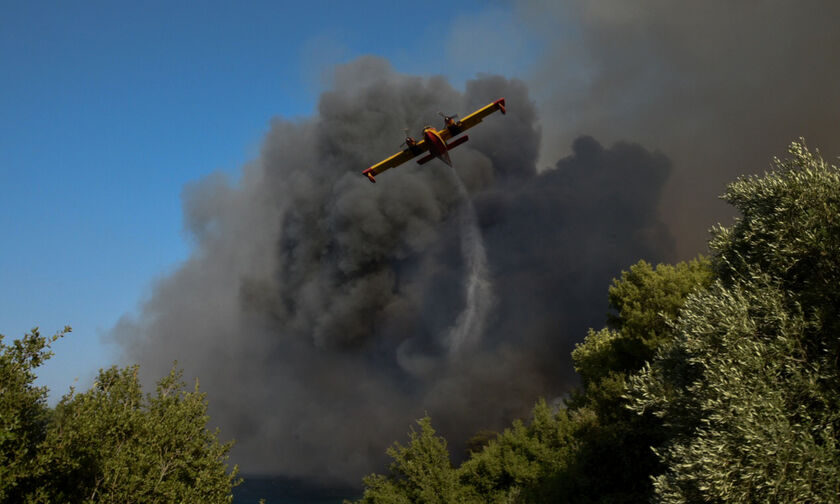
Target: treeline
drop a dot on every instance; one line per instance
(110, 444)
(714, 380)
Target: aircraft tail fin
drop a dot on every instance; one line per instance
(425, 159)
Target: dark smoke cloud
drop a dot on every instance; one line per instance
(720, 86)
(318, 309)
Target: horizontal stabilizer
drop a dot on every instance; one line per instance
(458, 141)
(425, 159)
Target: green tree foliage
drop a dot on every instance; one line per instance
(480, 440)
(614, 460)
(110, 444)
(515, 466)
(510, 468)
(23, 412)
(596, 450)
(749, 390)
(645, 301)
(420, 473)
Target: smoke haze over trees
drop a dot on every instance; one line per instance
(317, 309)
(714, 381)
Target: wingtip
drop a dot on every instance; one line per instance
(369, 174)
(501, 103)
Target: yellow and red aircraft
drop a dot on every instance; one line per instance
(434, 141)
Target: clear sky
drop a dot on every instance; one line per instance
(107, 108)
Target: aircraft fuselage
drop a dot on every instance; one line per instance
(437, 146)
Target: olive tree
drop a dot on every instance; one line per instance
(749, 390)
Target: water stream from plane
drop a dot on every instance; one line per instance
(478, 288)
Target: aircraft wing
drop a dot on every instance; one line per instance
(397, 159)
(472, 119)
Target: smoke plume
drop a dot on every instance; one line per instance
(719, 86)
(324, 314)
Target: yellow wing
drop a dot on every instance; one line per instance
(397, 159)
(471, 120)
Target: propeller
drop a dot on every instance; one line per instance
(447, 117)
(406, 136)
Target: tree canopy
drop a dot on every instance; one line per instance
(110, 444)
(749, 388)
(593, 449)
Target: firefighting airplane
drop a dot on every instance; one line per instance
(434, 140)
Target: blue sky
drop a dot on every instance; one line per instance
(108, 108)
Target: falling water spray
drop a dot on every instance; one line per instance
(478, 288)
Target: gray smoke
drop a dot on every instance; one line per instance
(324, 314)
(720, 86)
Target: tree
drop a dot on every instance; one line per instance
(594, 450)
(420, 473)
(644, 302)
(109, 444)
(749, 390)
(480, 440)
(613, 460)
(24, 414)
(514, 466)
